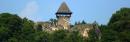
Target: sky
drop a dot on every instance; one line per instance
(43, 10)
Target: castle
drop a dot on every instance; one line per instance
(63, 15)
(62, 22)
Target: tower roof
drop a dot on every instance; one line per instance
(64, 8)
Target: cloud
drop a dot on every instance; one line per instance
(30, 10)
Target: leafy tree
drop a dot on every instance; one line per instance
(58, 36)
(53, 21)
(4, 33)
(73, 36)
(92, 36)
(109, 35)
(39, 27)
(10, 25)
(27, 32)
(42, 36)
(15, 29)
(120, 23)
(122, 15)
(12, 22)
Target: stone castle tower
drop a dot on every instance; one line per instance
(63, 15)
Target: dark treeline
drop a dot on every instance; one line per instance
(16, 29)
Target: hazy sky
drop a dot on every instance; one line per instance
(43, 10)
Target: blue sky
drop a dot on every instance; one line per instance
(43, 10)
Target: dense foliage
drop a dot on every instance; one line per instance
(16, 29)
(118, 28)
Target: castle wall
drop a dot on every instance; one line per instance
(64, 21)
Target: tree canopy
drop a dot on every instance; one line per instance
(16, 29)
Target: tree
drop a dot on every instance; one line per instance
(27, 31)
(15, 29)
(58, 36)
(92, 36)
(76, 23)
(42, 36)
(122, 15)
(120, 23)
(4, 33)
(39, 27)
(10, 25)
(83, 22)
(73, 36)
(53, 21)
(12, 22)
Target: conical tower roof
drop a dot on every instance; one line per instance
(63, 8)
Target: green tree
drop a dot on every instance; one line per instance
(73, 36)
(122, 15)
(109, 35)
(12, 22)
(39, 27)
(58, 36)
(15, 29)
(4, 33)
(83, 22)
(42, 36)
(120, 23)
(53, 21)
(27, 31)
(10, 25)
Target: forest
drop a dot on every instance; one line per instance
(16, 29)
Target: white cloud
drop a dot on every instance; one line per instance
(30, 10)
